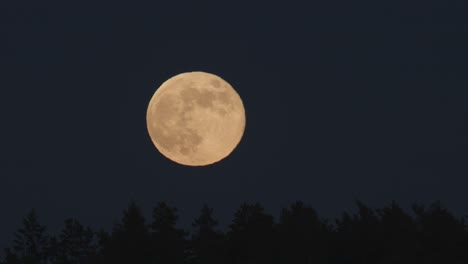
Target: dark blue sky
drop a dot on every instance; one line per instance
(344, 100)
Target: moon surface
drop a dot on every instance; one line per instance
(195, 118)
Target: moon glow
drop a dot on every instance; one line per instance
(195, 118)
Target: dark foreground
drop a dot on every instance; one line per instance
(386, 235)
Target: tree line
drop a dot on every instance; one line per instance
(385, 235)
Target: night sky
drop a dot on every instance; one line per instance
(344, 100)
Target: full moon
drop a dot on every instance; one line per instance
(195, 118)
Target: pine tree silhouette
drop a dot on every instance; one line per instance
(388, 235)
(303, 237)
(357, 237)
(398, 235)
(169, 241)
(251, 236)
(103, 246)
(442, 236)
(10, 257)
(207, 242)
(31, 242)
(130, 241)
(74, 246)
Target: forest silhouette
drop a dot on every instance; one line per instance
(385, 235)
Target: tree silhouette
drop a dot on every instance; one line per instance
(74, 246)
(443, 238)
(10, 257)
(302, 235)
(398, 235)
(388, 235)
(169, 241)
(103, 246)
(357, 237)
(30, 242)
(207, 242)
(251, 236)
(130, 241)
